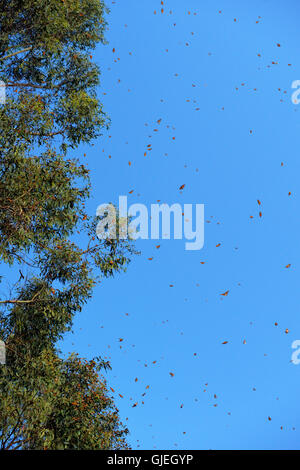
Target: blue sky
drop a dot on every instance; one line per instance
(233, 130)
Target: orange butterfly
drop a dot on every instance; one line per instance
(225, 293)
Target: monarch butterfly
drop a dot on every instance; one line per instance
(225, 293)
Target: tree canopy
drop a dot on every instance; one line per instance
(51, 108)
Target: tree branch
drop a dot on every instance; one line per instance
(15, 53)
(29, 85)
(16, 301)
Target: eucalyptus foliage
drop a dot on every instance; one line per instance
(46, 62)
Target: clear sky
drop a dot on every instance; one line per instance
(217, 74)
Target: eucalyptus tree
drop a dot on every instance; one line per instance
(46, 237)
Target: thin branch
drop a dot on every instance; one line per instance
(21, 301)
(29, 85)
(15, 53)
(51, 134)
